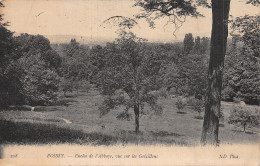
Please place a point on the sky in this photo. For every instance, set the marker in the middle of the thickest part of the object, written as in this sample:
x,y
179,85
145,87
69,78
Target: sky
x,y
84,18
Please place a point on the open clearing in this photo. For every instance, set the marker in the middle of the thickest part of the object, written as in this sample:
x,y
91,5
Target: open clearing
x,y
79,122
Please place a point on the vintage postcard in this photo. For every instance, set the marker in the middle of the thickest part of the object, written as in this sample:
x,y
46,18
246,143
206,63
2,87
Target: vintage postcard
x,y
129,82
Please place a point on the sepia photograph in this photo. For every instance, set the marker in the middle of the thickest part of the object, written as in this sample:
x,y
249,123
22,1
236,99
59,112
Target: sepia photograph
x,y
129,82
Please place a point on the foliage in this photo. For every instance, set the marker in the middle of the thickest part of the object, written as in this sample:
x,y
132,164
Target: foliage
x,y
243,117
193,74
40,64
180,104
188,43
197,46
40,86
123,116
241,77
246,29
197,105
177,11
75,62
66,86
128,74
163,93
10,70
204,45
83,85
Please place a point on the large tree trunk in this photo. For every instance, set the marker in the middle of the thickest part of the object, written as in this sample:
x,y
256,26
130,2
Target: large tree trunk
x,y
220,13
136,110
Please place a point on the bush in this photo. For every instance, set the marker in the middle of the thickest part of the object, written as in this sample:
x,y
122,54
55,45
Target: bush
x,y
84,86
180,104
163,93
124,116
242,117
197,105
66,86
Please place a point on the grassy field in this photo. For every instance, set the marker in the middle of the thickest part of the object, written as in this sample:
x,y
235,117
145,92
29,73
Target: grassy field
x,y
47,125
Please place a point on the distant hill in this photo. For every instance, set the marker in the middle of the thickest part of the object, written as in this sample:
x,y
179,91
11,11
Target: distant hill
x,y
55,39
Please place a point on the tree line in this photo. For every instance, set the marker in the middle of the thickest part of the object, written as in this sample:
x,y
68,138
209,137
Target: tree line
x,y
33,70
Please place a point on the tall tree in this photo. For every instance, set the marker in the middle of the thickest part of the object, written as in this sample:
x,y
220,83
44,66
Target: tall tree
x,y
197,47
188,43
220,14
10,71
204,45
40,64
177,12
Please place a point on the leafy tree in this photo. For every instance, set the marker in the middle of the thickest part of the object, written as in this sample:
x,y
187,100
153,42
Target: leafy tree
x,y
177,12
75,63
204,45
10,71
72,48
97,63
242,117
128,76
40,86
188,43
241,77
171,79
246,30
197,46
40,64
75,67
193,74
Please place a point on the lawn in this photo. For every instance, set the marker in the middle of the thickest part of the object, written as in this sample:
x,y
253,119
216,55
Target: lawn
x,y
48,125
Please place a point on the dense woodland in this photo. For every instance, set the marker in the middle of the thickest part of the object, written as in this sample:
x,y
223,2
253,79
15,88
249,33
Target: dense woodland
x,y
35,70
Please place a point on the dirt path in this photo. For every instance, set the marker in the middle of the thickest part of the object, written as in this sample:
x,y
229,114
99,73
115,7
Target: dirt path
x,y
65,120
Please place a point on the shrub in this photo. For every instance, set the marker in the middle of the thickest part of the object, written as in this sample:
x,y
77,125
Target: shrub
x,y
163,93
124,116
66,86
180,104
197,105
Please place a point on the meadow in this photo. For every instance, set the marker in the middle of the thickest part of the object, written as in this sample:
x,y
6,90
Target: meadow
x,y
75,119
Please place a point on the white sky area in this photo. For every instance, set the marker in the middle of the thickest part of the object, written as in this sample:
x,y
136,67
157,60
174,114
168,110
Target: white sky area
x,y
84,17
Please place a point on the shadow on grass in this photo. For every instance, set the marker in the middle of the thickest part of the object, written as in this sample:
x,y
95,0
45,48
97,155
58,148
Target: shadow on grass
x,y
37,133
63,101
149,138
198,117
247,132
165,134
180,112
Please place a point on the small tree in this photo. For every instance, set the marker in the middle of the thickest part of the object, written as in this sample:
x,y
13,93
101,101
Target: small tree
x,y
180,104
127,69
242,117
